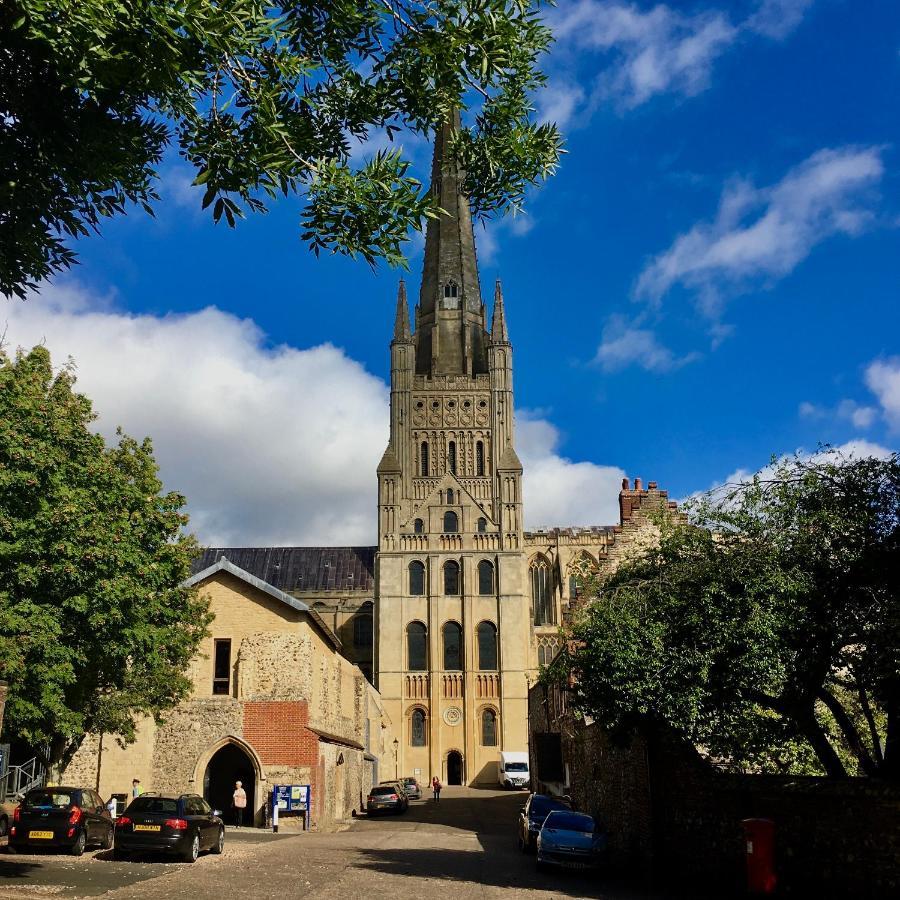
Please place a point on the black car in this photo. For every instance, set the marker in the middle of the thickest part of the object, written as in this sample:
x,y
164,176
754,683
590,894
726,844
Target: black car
x,y
183,825
69,818
531,818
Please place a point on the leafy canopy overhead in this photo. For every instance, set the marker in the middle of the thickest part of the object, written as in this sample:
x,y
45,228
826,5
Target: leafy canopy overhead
x,y
95,626
769,635
263,99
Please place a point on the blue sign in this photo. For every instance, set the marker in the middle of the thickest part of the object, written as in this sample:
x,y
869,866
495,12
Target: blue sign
x,y
291,797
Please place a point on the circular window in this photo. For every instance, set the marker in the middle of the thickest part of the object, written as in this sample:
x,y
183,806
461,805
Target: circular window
x,y
420,405
482,404
435,404
452,404
467,404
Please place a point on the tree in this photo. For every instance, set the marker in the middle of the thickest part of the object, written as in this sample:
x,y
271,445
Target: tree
x,y
263,99
766,629
96,628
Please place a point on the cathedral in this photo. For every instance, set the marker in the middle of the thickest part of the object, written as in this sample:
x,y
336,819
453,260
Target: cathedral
x,y
341,666
451,616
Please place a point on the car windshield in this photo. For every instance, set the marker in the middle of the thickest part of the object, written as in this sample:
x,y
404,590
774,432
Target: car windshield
x,y
382,791
540,806
409,781
48,799
569,821
164,805
517,767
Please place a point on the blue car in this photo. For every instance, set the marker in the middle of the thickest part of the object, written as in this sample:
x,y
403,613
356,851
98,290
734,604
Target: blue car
x,y
569,839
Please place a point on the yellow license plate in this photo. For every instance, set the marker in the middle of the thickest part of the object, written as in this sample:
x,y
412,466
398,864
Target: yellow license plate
x,y
41,834
147,827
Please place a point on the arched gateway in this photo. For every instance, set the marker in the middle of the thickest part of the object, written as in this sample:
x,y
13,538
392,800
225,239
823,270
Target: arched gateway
x,y
229,761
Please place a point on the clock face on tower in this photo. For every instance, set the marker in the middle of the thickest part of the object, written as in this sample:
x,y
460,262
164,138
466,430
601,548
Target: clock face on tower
x,y
453,715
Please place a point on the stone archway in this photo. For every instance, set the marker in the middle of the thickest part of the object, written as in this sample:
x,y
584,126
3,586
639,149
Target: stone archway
x,y
455,774
228,760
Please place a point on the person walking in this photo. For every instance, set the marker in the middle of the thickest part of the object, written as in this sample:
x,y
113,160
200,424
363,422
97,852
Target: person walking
x,y
239,802
436,787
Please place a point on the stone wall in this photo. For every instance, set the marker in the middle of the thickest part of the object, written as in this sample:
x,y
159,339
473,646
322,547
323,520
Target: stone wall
x,y
671,814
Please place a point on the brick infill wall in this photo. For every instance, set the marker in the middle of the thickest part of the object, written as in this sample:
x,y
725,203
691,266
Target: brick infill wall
x,y
277,730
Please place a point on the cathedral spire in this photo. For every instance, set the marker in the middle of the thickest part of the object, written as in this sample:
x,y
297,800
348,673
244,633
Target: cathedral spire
x,y
499,333
449,319
401,322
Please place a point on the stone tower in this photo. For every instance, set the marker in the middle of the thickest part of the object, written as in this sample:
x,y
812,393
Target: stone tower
x,y
452,617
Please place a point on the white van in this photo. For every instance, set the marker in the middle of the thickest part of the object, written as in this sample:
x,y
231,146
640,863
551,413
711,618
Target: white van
x,y
514,770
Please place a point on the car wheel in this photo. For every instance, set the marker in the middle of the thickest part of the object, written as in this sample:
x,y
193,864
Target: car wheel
x,y
77,848
108,840
191,854
4,826
219,845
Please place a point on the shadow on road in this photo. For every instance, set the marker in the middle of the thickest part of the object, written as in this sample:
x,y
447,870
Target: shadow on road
x,y
12,868
481,869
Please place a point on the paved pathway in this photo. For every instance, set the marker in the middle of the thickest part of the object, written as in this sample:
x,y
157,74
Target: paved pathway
x,y
461,848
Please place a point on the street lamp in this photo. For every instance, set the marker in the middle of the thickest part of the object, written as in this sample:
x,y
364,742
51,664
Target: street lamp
x,y
396,759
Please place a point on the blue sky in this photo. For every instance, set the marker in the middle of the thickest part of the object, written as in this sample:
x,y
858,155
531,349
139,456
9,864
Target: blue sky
x,y
711,278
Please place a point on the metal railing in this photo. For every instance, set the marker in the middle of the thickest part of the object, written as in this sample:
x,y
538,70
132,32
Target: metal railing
x,y
18,780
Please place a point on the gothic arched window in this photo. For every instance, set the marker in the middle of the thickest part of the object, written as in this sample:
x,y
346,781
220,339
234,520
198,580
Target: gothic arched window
x,y
482,525
479,458
451,522
424,459
451,458
362,627
451,289
485,577
417,728
487,646
416,578
451,577
452,647
541,591
542,655
450,495
489,728
416,647
419,526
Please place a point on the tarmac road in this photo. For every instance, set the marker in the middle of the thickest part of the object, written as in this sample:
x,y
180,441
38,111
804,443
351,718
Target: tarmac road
x,y
458,849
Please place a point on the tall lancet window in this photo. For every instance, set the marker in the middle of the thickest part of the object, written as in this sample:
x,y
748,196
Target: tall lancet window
x,y
423,458
451,457
541,592
479,458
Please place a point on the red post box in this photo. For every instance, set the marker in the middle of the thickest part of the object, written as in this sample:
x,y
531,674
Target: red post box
x,y
759,836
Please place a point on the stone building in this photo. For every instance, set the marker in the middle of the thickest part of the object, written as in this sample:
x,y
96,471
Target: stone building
x,y
274,701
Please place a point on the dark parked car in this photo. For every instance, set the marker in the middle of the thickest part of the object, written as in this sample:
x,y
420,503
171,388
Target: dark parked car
x,y
386,798
532,816
69,818
570,839
411,788
182,825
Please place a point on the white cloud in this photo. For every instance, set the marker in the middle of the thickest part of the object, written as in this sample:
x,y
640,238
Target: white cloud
x,y
559,100
651,51
623,345
883,379
271,445
857,448
764,233
846,410
556,490
777,18
491,232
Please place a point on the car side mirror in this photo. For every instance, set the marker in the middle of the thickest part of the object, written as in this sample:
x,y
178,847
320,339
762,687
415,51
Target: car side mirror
x,y
217,812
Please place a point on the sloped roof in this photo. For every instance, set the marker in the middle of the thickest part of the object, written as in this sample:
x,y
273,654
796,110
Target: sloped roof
x,y
307,569
223,564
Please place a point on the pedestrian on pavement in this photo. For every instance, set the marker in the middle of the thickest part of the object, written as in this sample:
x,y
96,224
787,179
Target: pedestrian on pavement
x,y
239,802
112,806
436,787
136,789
